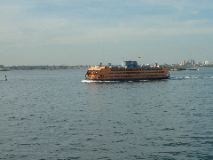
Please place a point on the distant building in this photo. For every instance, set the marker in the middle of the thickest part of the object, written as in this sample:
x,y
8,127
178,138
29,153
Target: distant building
x,y
188,63
206,62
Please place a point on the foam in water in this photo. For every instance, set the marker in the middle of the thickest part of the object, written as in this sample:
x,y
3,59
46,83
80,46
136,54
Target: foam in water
x,y
176,78
144,80
186,77
190,77
94,81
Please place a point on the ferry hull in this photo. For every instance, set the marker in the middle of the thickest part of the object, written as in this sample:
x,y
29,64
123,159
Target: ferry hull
x,y
128,79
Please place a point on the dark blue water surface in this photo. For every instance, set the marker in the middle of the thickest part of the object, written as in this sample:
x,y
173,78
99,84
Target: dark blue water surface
x,y
48,115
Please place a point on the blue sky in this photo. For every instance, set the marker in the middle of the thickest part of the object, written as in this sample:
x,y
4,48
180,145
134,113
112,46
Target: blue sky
x,y
72,32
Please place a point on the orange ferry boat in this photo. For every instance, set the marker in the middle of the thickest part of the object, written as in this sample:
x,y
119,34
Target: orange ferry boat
x,y
129,71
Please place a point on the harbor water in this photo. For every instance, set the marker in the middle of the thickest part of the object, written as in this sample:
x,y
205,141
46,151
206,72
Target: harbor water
x,y
56,115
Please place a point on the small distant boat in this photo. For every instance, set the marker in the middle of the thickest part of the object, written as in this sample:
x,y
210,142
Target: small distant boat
x,y
129,71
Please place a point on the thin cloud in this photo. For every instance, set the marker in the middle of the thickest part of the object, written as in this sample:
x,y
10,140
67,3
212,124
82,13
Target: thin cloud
x,y
56,23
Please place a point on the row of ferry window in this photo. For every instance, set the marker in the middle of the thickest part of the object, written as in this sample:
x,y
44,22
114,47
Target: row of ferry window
x,y
92,72
119,76
95,72
135,72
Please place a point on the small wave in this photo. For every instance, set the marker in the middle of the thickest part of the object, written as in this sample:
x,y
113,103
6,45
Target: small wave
x,y
207,77
176,78
94,81
183,78
187,77
190,77
194,77
144,80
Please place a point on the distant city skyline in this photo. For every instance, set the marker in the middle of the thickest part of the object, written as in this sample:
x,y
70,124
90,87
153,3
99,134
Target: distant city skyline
x,y
75,32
